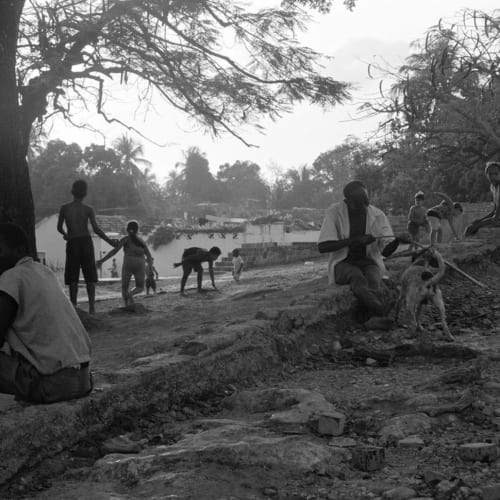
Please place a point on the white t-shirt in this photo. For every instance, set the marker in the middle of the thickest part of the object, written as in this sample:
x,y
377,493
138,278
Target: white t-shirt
x,y
336,227
46,330
237,263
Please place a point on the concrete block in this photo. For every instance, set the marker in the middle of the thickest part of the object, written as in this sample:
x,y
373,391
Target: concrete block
x,y
411,442
331,423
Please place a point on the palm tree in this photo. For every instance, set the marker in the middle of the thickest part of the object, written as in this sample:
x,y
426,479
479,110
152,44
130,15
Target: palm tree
x,y
131,154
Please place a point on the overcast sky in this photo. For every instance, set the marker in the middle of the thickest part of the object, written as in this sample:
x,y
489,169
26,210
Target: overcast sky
x,y
376,30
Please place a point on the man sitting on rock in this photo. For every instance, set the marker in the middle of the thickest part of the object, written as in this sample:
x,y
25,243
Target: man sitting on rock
x,y
49,349
358,235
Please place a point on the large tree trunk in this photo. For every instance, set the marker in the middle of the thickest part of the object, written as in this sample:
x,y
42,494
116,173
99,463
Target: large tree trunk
x,y
16,201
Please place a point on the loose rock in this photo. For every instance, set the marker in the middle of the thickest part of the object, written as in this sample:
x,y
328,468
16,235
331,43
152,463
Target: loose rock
x,y
400,493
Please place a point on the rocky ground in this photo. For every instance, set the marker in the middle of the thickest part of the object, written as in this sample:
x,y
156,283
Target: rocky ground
x,y
272,389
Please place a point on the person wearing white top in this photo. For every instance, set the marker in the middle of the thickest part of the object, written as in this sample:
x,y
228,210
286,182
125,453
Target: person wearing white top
x,y
358,235
492,171
49,348
237,265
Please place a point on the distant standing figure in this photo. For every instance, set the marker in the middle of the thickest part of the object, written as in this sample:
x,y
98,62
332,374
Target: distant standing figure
x,y
79,247
438,213
192,259
114,269
237,265
417,219
134,250
492,219
151,276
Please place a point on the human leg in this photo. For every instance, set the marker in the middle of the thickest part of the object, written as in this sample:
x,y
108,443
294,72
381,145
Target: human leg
x,y
89,269
91,295
126,276
435,225
72,269
413,230
139,272
186,271
73,293
8,368
199,277
349,274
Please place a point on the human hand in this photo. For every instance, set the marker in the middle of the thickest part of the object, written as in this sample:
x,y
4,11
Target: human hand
x,y
364,239
98,263
114,242
471,229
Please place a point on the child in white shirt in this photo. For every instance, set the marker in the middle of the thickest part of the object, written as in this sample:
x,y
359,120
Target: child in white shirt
x,y
237,265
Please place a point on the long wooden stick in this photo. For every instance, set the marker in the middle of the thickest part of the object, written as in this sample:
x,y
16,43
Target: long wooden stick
x,y
457,269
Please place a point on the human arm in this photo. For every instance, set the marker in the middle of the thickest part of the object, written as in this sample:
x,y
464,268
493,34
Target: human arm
x,y
157,276
240,266
149,257
112,252
392,246
411,214
334,245
8,311
60,223
97,230
211,272
445,198
451,221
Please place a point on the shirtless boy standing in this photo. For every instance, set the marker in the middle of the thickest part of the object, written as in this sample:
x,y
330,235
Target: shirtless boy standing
x,y
79,247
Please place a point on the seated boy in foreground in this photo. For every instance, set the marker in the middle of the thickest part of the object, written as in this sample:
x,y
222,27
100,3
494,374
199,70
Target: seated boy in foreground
x,y
49,349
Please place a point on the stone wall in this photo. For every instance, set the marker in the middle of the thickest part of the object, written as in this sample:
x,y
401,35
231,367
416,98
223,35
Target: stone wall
x,y
266,254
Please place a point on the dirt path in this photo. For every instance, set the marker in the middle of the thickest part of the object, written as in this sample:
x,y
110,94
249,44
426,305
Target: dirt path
x,y
419,403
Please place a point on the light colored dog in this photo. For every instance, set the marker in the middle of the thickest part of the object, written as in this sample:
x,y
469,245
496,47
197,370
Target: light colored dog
x,y
419,286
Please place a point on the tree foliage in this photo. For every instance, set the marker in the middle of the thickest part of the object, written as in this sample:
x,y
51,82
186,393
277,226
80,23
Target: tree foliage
x,y
242,181
179,48
443,106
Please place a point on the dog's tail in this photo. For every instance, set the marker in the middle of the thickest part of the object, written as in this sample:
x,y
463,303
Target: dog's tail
x,y
177,264
441,268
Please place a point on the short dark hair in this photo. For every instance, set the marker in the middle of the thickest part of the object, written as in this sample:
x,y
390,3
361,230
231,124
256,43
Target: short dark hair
x,y
14,236
420,195
353,186
79,189
215,250
236,252
133,225
490,165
